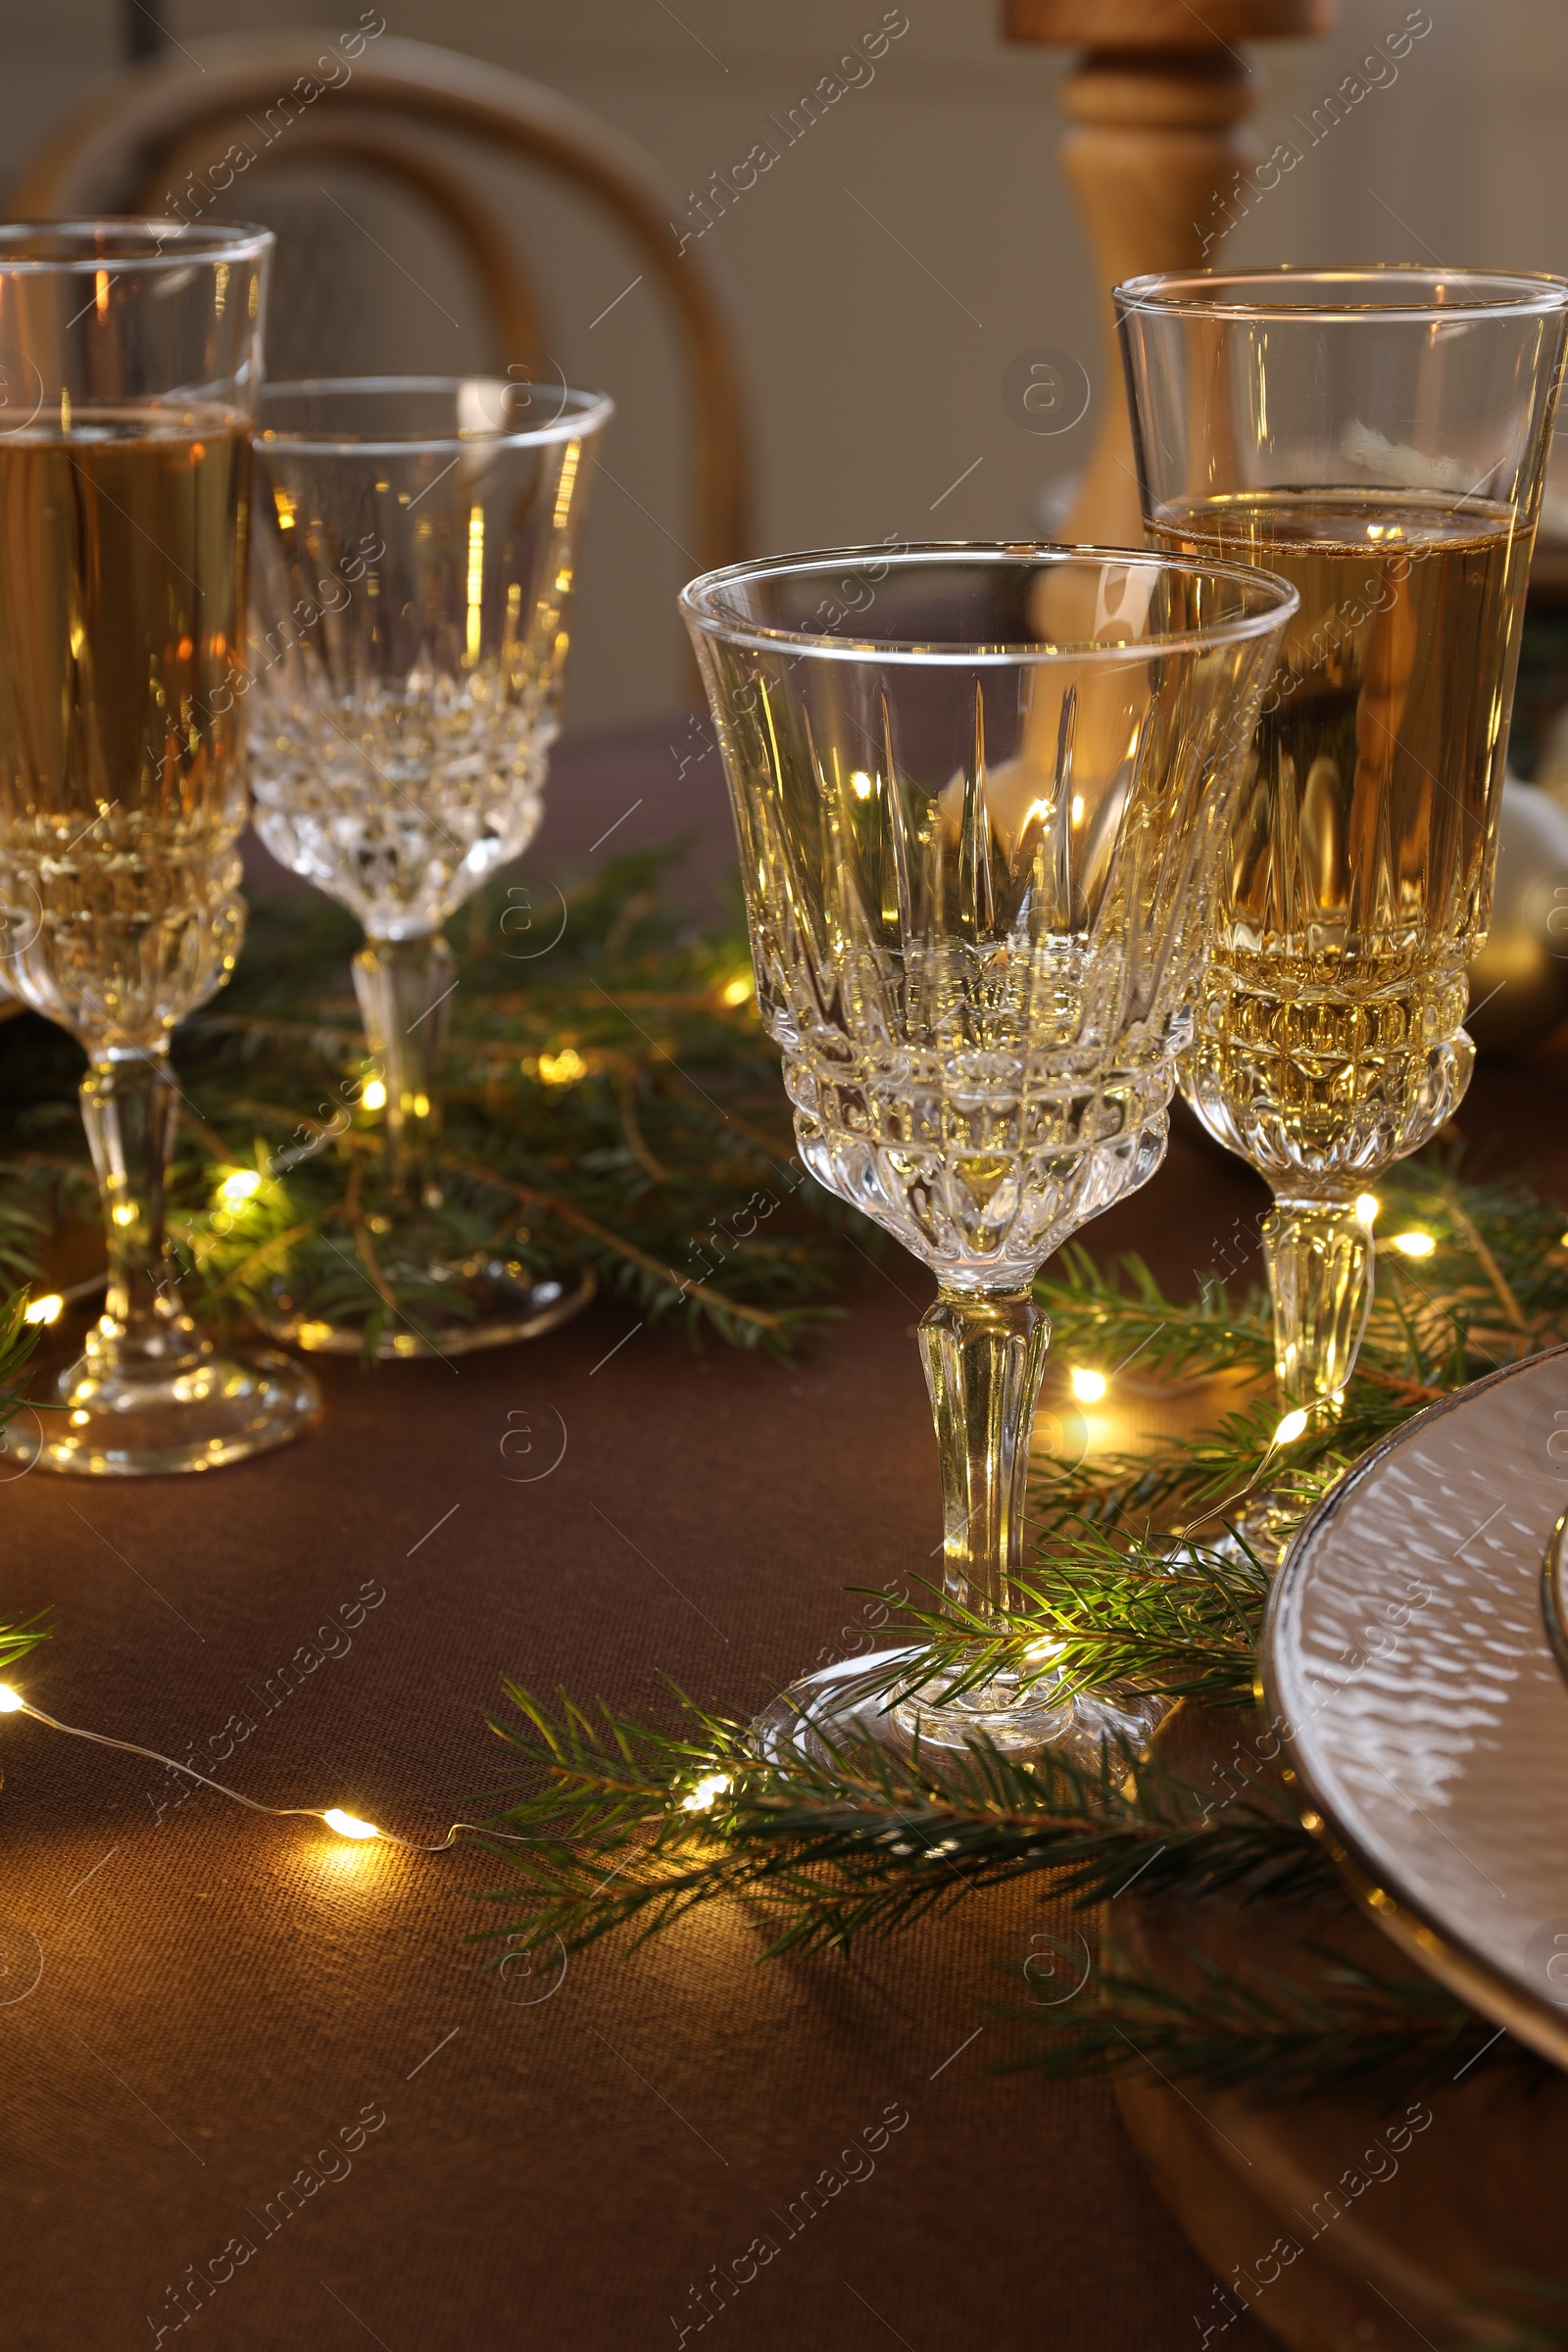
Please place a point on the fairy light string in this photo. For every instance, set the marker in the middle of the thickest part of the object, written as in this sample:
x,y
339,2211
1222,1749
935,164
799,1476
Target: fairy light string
x,y
333,1817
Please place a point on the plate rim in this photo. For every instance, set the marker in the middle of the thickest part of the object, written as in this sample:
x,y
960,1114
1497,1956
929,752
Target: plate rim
x,y
1443,1952
1553,1585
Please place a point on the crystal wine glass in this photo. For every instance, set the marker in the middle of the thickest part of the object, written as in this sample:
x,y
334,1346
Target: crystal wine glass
x,y
414,550
1378,436
130,353
981,795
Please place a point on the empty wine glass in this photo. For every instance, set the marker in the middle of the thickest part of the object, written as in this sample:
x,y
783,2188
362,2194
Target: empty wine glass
x,y
981,795
414,553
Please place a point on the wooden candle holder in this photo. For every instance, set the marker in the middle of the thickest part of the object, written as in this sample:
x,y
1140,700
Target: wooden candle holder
x,y
1160,103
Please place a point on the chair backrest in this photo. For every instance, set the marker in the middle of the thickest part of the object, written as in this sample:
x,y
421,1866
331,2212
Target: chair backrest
x,y
196,112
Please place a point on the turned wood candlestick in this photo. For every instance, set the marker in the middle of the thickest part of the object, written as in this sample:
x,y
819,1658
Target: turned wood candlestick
x,y
1160,103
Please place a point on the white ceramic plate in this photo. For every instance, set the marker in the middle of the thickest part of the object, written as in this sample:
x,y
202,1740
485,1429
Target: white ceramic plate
x,y
1408,1669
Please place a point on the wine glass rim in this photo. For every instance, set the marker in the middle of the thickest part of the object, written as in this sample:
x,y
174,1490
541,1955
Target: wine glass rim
x,y
588,411
1388,290
1272,600
117,238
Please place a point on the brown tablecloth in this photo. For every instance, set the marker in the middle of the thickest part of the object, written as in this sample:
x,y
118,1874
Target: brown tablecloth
x,y
235,2050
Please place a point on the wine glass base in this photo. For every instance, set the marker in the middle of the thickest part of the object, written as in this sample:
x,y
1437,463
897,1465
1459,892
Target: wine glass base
x,y
1261,1531
490,1307
218,1409
846,1706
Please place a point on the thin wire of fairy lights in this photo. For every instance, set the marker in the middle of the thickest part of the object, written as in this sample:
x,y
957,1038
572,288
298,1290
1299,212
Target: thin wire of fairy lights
x,y
343,1824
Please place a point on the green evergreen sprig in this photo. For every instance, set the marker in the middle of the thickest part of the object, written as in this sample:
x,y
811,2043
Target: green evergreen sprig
x,y
21,1635
1494,1288
612,1103
633,1824
1097,1608
1334,2026
17,1339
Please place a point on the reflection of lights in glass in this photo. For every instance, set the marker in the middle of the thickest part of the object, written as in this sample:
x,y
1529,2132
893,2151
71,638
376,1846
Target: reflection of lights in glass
x,y
1367,1205
124,1212
346,1825
373,1097
1088,1387
1414,1245
862,784
470,650
1290,1428
737,991
46,1310
563,1068
1039,1653
1077,807
422,1106
569,475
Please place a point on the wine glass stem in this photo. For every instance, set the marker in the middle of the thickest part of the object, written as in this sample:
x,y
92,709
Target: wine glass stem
x,y
405,990
1320,1266
128,1106
984,1356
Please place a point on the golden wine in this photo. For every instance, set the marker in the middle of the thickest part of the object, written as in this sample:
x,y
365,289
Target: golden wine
x,y
1330,1037
123,545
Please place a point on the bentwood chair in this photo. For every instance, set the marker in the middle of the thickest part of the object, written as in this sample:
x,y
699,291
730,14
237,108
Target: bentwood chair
x,y
197,129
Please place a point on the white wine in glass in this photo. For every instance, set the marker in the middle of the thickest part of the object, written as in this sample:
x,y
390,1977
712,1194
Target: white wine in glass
x,y
1378,437
982,797
132,357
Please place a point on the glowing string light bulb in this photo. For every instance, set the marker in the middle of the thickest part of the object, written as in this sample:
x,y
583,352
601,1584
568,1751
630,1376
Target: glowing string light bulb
x,y
706,1792
1290,1428
349,1824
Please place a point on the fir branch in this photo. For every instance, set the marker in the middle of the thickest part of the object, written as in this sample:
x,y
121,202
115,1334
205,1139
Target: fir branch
x,y
657,1157
1495,1288
22,1636
1096,1314
1197,1485
1344,2026
629,1825
1181,1619
17,1339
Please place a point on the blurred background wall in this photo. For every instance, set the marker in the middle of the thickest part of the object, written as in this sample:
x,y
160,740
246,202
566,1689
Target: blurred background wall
x,y
882,274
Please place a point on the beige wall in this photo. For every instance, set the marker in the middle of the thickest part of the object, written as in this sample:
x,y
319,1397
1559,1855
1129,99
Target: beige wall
x,y
875,346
